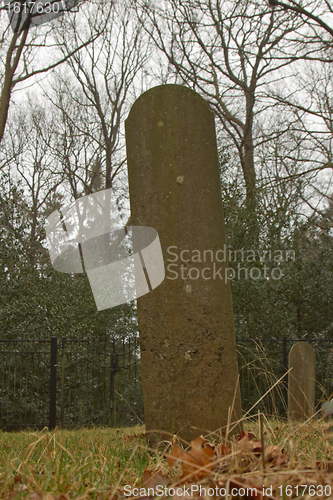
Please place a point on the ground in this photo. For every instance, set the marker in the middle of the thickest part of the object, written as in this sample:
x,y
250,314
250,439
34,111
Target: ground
x,y
295,461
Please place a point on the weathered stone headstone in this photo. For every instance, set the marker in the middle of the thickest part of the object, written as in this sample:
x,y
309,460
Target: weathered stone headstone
x,y
187,339
301,381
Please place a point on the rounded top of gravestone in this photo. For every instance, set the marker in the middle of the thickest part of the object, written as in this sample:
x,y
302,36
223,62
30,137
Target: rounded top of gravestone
x,y
170,91
302,345
302,348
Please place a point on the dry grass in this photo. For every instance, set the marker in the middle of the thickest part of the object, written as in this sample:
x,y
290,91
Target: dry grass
x,y
77,463
98,463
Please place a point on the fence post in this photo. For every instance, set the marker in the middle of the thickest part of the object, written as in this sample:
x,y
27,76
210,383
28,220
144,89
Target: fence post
x,y
285,379
53,383
113,381
62,394
112,363
116,416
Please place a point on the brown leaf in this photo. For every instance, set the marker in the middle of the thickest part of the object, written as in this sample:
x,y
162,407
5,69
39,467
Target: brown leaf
x,y
153,479
246,442
274,456
22,487
242,434
196,462
223,450
62,497
325,465
34,496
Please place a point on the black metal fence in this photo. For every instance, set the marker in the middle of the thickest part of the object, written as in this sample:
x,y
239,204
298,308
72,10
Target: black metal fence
x,y
79,383
24,372
70,383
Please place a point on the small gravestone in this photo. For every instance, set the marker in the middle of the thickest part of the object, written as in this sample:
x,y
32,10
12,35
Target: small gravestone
x,y
301,381
187,339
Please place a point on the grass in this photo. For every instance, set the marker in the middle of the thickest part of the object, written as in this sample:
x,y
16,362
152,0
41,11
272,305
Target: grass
x,y
76,463
95,463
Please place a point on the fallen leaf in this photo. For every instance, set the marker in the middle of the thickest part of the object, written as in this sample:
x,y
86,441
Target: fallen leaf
x,y
246,442
153,479
275,457
62,497
197,462
242,434
34,496
22,487
327,466
222,450
272,453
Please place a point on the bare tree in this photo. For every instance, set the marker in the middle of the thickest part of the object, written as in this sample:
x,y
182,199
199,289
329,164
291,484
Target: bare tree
x,y
93,98
30,52
310,102
304,155
33,169
308,14
228,52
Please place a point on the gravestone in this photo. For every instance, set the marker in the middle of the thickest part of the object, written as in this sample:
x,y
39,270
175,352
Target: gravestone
x,y
187,339
301,381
